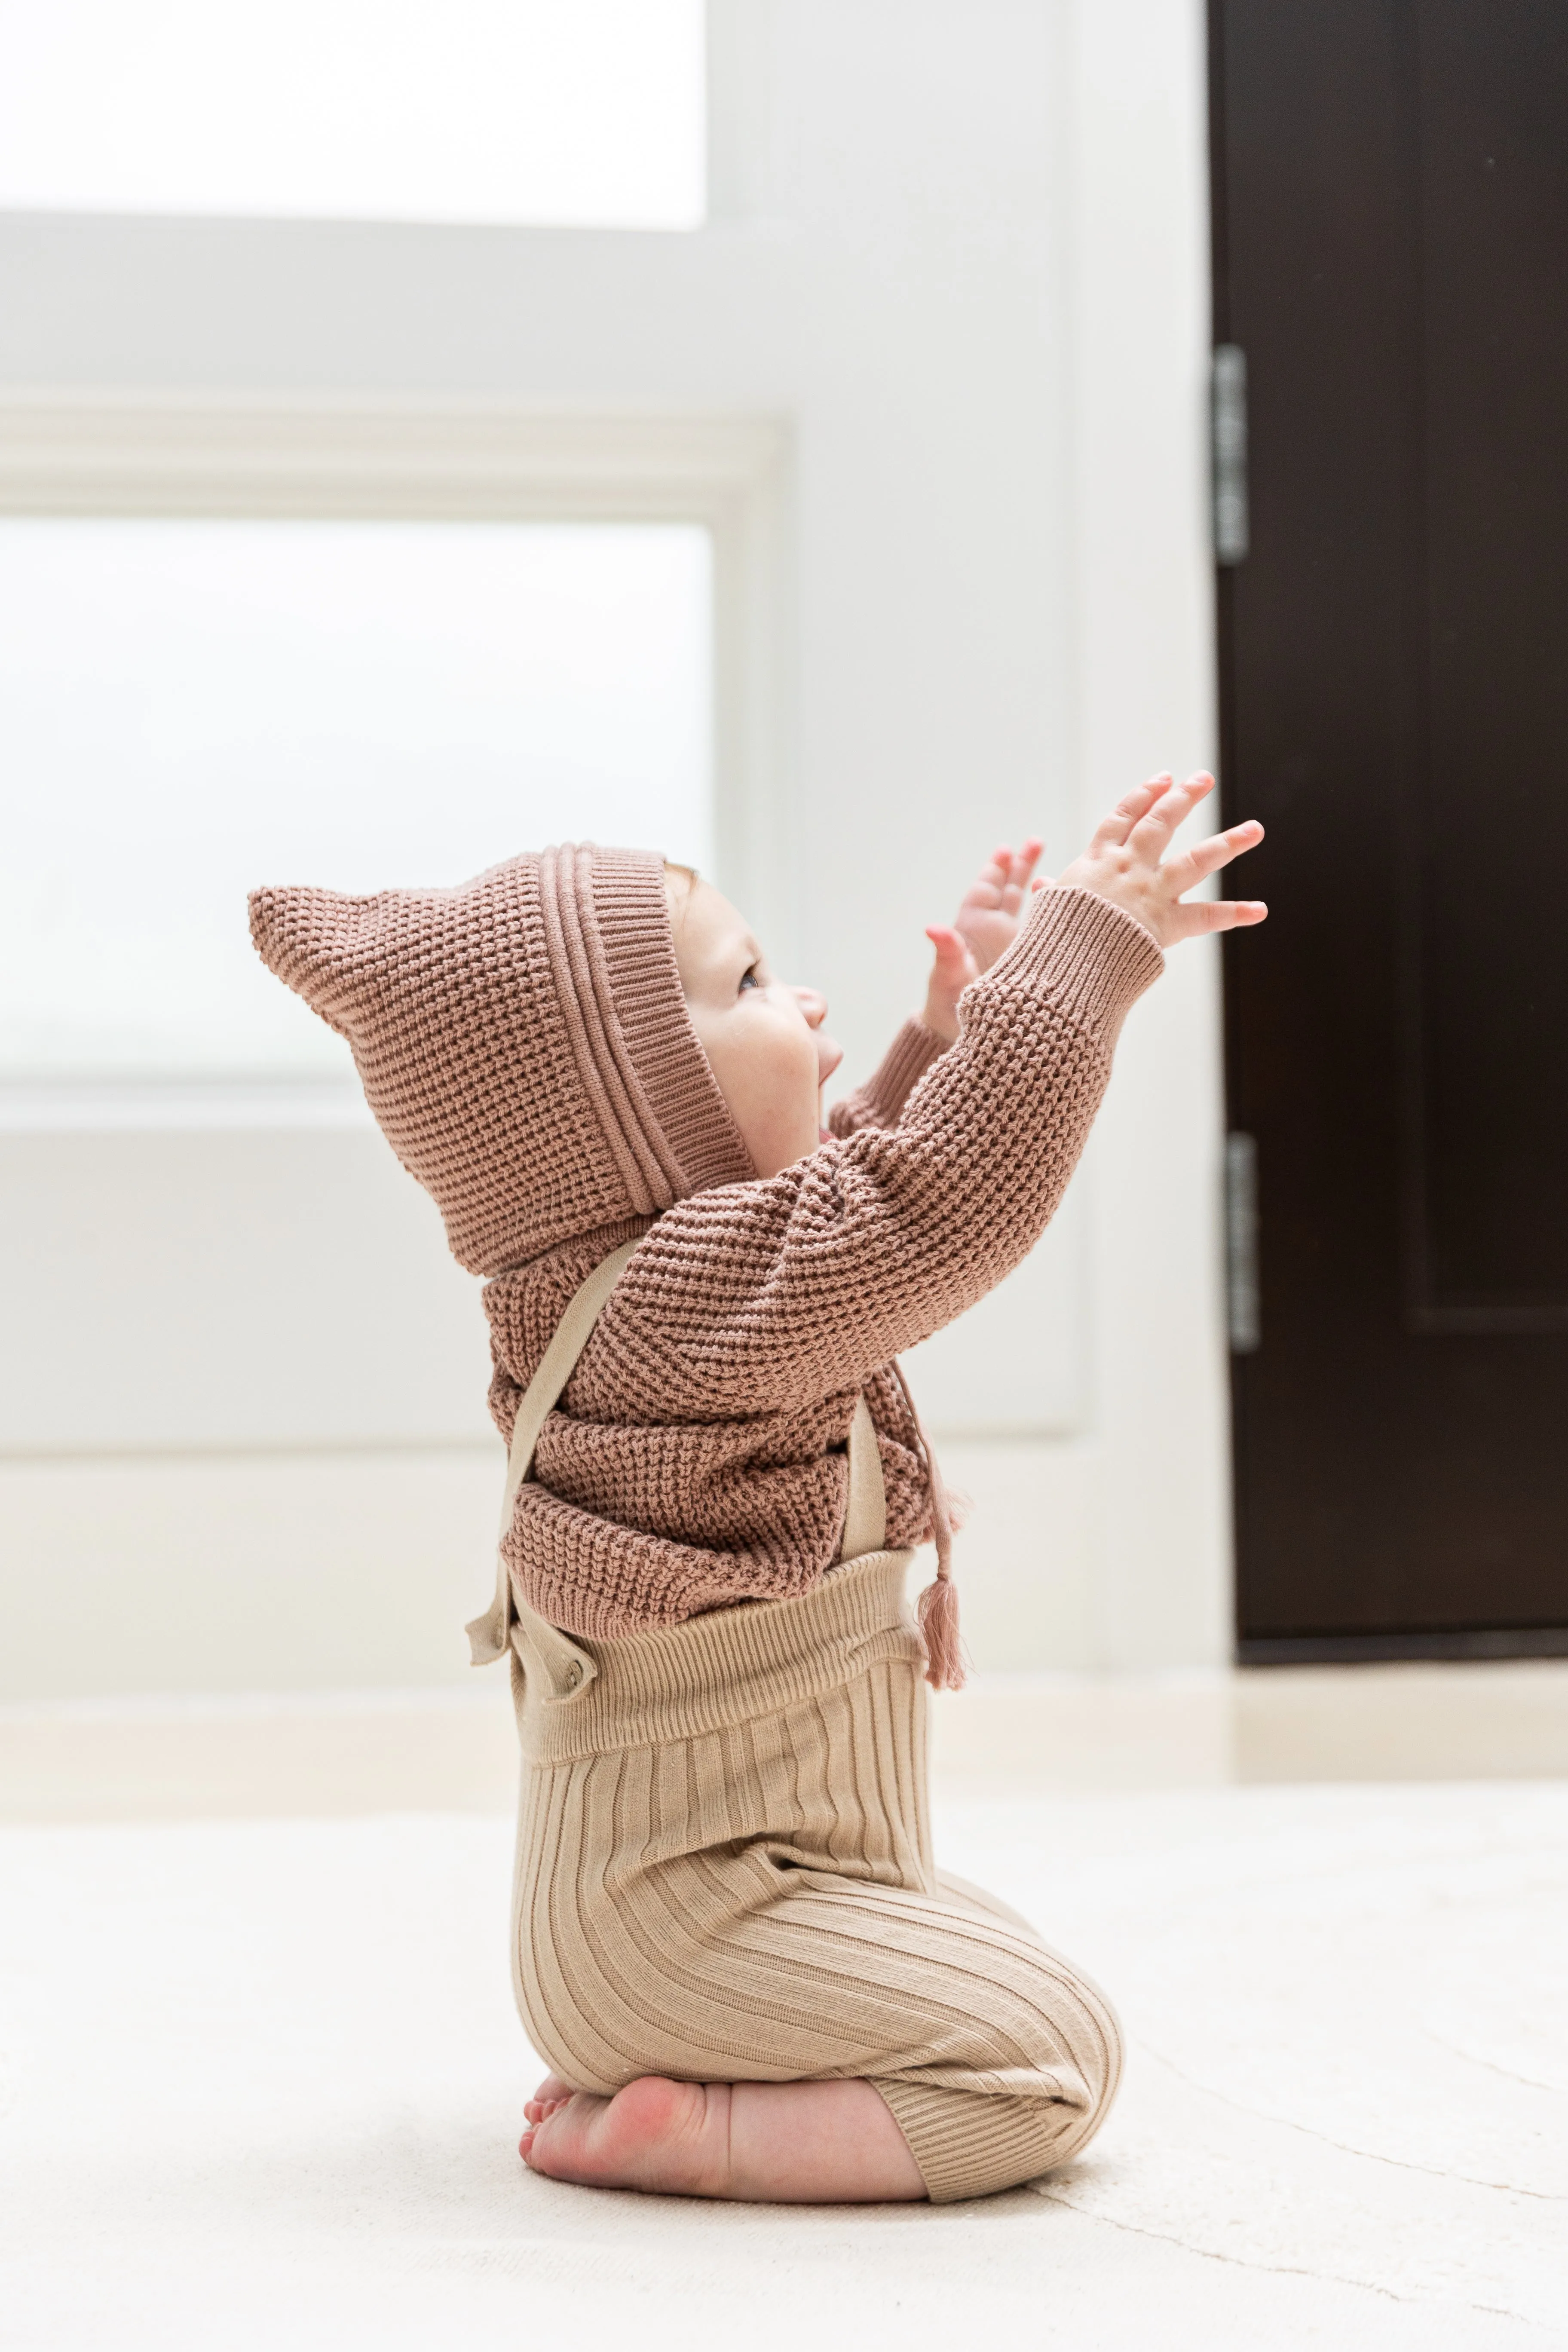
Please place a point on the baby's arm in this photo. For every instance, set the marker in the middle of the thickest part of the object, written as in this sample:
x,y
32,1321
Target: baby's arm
x,y
881,1102
816,1277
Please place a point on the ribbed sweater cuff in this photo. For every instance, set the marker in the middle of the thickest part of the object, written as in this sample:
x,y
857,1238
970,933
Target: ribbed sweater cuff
x,y
906,1061
1083,954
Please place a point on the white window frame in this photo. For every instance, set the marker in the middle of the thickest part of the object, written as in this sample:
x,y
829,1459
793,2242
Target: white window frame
x,y
392,460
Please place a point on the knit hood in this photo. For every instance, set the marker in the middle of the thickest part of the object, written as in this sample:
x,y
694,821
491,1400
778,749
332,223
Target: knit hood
x,y
522,1041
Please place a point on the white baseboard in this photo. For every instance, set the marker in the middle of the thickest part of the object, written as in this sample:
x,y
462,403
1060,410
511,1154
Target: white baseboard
x,y
454,1750
1477,1720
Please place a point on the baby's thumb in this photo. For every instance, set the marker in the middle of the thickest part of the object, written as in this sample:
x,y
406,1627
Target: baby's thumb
x,y
952,957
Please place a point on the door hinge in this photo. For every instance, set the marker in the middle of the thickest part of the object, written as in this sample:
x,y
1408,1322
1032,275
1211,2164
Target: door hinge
x,y
1241,1242
1227,462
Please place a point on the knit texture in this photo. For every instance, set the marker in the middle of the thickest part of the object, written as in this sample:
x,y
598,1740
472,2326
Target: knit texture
x,y
697,1459
522,1041
725,1875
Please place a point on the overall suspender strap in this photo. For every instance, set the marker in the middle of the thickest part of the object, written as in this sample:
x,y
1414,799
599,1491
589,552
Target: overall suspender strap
x,y
489,1636
865,1520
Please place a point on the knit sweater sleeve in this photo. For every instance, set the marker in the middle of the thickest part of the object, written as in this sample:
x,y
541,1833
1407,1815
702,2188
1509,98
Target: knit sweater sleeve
x,y
881,1102
760,1295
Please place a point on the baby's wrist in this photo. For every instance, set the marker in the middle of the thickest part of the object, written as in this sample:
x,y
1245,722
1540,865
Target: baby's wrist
x,y
941,1017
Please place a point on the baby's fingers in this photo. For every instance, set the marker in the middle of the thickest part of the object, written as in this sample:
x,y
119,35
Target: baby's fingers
x,y
989,886
1207,856
1194,918
1023,865
1150,834
1113,830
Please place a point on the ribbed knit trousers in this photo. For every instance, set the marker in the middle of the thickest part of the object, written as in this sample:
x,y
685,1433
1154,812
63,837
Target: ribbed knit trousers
x,y
724,1874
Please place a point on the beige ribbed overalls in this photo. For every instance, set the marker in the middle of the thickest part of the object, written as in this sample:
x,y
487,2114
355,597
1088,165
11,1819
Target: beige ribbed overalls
x,y
723,1863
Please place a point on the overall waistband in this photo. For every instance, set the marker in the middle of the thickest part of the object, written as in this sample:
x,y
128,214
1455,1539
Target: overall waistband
x,y
637,1690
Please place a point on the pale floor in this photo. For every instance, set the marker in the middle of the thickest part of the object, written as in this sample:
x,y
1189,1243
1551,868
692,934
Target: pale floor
x,y
260,2078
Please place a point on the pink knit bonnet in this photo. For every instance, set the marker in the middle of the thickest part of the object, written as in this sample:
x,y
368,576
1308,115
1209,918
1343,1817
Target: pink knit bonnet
x,y
522,1040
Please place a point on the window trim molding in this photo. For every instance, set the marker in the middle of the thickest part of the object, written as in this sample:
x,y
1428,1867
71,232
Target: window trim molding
x,y
362,459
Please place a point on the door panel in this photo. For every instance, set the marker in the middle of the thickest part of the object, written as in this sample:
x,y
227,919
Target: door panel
x,y
1491,1146
1391,189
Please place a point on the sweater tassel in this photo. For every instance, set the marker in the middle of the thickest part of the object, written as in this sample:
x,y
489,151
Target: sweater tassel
x,y
938,1609
939,1631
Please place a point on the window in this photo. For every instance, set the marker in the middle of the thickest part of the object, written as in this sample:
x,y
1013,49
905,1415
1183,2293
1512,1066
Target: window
x,y
189,709
537,110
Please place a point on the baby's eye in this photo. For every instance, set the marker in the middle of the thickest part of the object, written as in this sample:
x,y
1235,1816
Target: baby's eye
x,y
748,977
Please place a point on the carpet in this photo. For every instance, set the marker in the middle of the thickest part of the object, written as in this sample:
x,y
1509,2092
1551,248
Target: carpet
x,y
261,2082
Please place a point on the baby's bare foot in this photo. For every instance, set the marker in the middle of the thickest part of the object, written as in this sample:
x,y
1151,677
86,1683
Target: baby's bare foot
x,y
783,2143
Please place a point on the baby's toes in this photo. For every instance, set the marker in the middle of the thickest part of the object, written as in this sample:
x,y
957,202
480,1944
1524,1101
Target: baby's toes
x,y
538,2112
552,2093
546,2098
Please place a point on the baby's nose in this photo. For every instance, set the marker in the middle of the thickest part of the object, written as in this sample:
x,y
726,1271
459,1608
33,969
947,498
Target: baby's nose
x,y
814,1006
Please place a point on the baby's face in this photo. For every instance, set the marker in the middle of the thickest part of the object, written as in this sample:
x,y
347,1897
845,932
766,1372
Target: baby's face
x,y
765,1042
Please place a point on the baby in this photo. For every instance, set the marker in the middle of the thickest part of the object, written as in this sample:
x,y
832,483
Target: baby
x,y
730,1939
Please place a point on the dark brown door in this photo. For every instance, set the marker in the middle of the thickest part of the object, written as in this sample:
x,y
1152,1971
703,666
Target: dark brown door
x,y
1390,207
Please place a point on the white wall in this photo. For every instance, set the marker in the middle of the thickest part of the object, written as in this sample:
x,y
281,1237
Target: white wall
x,y
957,267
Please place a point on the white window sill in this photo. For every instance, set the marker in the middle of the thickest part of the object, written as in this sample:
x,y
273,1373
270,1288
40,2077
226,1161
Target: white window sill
x,y
131,1106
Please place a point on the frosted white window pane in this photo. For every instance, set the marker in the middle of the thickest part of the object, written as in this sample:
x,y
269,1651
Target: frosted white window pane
x,y
588,111
190,709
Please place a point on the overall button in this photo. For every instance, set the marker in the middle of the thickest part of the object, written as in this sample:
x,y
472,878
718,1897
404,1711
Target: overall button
x,y
572,1676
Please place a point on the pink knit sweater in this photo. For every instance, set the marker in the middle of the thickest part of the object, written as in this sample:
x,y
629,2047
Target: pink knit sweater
x,y
698,1457
525,1047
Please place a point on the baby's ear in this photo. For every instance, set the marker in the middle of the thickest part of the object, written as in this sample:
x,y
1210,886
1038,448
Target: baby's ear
x,y
321,943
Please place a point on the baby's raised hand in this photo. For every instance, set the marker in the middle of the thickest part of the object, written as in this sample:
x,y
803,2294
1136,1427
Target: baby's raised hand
x,y
986,923
1126,863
